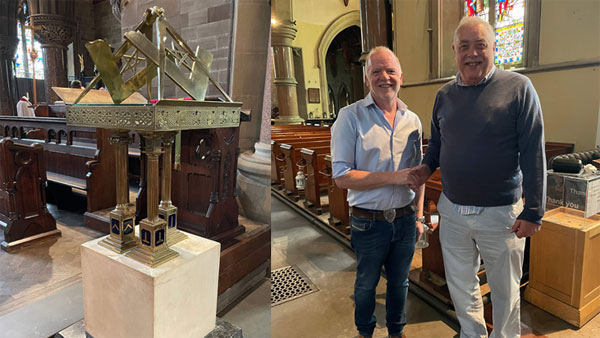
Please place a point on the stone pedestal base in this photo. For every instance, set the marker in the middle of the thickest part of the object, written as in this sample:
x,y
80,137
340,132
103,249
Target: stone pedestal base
x,y
253,183
222,329
125,298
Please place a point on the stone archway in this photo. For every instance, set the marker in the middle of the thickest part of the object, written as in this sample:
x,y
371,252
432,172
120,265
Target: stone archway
x,y
338,25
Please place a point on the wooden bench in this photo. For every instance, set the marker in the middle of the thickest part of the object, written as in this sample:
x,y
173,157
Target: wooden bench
x,y
76,157
291,156
277,161
289,133
313,160
24,217
339,211
275,129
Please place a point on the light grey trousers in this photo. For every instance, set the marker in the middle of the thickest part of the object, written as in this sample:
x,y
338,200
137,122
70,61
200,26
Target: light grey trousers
x,y
467,238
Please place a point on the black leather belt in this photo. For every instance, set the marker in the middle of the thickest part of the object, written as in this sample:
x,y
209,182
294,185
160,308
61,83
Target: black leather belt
x,y
388,215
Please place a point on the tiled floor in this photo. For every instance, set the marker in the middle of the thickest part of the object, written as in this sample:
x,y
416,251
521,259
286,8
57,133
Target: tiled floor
x,y
34,272
331,267
329,312
40,290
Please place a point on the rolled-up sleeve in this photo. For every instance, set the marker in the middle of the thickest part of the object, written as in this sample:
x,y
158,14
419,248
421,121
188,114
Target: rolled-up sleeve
x,y
343,143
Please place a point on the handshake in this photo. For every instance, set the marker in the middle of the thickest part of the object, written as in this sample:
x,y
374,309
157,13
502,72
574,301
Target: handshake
x,y
414,177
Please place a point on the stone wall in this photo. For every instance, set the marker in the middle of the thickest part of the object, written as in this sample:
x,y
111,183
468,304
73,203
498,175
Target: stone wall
x,y
94,20
106,24
207,23
84,32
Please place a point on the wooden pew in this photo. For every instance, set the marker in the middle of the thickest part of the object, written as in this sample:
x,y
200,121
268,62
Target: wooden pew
x,y
24,217
288,133
313,160
277,160
291,156
76,157
275,129
339,211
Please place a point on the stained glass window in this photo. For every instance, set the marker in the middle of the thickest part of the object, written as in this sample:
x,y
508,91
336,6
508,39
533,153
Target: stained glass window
x,y
23,68
509,25
480,8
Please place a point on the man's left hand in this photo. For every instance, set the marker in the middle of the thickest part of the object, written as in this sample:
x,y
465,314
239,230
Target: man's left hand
x,y
523,228
419,230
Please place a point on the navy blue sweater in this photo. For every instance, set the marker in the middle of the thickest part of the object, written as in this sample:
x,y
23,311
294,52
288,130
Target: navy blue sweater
x,y
488,141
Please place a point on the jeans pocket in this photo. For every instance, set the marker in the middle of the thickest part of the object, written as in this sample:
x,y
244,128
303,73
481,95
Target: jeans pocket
x,y
360,224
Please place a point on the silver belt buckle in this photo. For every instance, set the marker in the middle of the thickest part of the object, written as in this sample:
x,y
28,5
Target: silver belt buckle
x,y
389,215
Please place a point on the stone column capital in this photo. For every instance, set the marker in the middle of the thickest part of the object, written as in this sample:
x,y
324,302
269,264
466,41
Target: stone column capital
x,y
56,30
283,34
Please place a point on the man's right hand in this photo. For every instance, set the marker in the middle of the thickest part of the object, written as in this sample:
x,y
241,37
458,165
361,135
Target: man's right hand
x,y
404,177
419,174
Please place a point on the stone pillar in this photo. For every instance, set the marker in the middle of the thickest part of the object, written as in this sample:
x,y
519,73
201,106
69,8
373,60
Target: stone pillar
x,y
254,168
56,19
282,35
252,44
375,24
8,43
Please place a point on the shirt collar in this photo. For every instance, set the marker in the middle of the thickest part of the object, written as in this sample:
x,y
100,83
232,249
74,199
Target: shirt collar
x,y
484,80
400,106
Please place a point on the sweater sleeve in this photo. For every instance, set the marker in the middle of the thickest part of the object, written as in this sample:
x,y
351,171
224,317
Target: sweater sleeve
x,y
532,156
432,154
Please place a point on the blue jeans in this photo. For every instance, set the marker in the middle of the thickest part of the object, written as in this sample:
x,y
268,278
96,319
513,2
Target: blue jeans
x,y
379,243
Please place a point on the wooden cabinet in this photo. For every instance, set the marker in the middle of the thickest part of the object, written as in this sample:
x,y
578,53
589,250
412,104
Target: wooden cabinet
x,y
564,271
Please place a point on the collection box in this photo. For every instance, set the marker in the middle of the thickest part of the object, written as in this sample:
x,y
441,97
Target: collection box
x,y
564,278
579,192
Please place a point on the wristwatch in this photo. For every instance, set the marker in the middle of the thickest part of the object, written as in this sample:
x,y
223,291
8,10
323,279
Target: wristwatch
x,y
421,219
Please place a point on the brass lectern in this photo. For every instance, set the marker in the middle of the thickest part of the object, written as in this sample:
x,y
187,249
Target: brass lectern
x,y
157,123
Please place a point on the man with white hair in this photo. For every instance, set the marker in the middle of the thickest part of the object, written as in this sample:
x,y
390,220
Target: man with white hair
x,y
487,138
374,143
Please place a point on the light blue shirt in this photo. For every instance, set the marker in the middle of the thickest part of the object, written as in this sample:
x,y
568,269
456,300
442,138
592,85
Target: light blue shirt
x,y
362,139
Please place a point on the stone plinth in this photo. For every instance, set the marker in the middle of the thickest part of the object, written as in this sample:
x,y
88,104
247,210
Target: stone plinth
x,y
254,183
222,329
125,298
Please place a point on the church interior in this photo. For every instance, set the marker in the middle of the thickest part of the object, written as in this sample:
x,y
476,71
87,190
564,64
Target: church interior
x,y
165,166
319,59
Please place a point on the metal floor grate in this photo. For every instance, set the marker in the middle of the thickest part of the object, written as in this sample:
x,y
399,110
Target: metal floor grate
x,y
289,283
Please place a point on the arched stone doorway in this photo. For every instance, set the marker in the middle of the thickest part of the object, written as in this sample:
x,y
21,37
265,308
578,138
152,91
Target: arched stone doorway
x,y
344,70
345,21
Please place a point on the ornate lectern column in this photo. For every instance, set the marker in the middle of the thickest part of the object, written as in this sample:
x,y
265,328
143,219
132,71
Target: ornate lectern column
x,y
8,43
282,35
153,250
122,218
56,20
166,210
